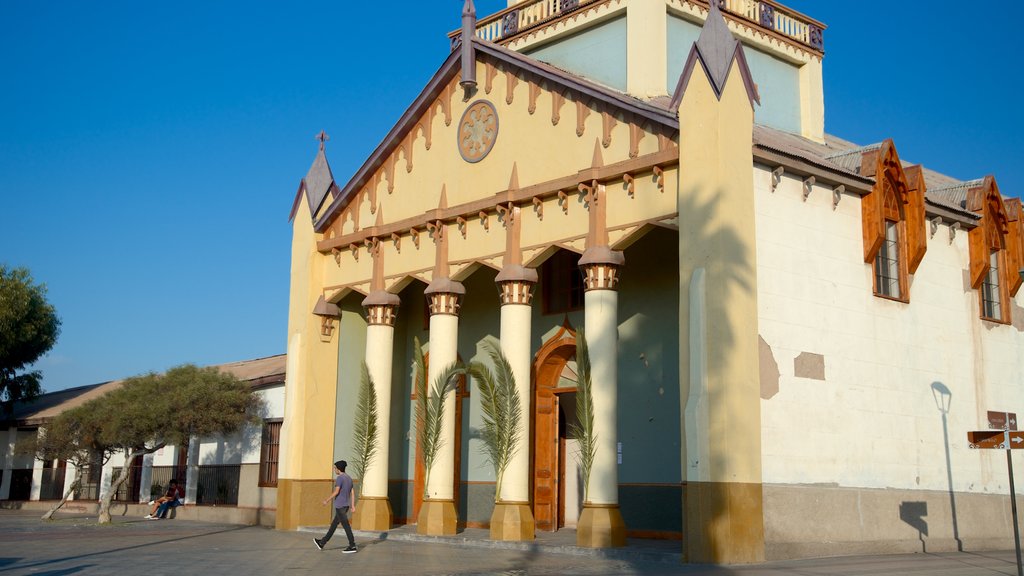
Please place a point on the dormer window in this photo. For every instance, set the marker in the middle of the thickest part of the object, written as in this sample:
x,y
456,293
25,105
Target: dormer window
x,y
888,278
893,221
991,291
991,250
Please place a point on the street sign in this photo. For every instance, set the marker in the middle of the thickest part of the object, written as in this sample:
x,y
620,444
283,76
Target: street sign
x,y
1002,420
990,439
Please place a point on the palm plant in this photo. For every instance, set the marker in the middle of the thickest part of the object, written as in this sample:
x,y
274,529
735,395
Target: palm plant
x,y
365,432
499,400
430,407
583,428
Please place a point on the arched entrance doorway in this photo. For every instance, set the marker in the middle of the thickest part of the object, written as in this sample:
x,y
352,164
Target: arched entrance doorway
x,y
556,494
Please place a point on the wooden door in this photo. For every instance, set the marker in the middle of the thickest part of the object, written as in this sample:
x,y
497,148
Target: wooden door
x,y
545,474
548,365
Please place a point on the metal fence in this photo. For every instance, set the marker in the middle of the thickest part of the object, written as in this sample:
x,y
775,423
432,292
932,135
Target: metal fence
x,y
218,485
162,476
52,484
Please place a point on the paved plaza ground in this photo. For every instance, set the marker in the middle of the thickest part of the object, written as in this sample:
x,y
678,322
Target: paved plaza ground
x,y
74,544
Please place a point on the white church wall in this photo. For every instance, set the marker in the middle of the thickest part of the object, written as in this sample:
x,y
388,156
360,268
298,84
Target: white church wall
x,y
874,420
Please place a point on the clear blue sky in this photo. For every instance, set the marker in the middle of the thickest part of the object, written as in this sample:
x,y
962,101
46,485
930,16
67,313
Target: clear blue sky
x,y
150,152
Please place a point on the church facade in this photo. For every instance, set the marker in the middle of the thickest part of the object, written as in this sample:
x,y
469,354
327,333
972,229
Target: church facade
x,y
789,333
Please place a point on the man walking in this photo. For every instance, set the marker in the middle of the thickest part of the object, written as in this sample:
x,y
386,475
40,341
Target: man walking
x,y
344,499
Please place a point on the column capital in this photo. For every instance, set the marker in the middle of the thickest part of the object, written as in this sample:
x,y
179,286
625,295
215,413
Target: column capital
x,y
444,296
381,307
601,266
515,284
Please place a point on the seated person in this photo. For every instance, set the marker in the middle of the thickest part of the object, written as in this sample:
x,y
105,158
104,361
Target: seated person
x,y
172,498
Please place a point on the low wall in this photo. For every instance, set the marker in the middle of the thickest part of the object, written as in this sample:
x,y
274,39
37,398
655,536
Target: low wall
x,y
216,514
813,521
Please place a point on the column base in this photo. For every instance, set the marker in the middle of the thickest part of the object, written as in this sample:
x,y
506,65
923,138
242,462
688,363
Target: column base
x,y
372,513
437,518
601,526
512,521
300,503
723,523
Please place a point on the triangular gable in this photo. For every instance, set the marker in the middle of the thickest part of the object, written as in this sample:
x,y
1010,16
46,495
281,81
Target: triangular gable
x,y
716,49
442,81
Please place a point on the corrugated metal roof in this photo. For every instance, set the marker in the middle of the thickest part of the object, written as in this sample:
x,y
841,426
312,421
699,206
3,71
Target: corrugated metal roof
x,y
798,146
851,159
955,194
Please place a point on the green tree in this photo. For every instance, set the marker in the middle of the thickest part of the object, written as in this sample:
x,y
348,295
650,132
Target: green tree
x,y
73,436
28,329
151,411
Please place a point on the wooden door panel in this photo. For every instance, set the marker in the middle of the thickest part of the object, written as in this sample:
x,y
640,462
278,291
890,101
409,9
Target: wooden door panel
x,y
545,474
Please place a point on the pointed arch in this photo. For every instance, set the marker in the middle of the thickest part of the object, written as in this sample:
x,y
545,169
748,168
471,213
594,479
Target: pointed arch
x,y
549,362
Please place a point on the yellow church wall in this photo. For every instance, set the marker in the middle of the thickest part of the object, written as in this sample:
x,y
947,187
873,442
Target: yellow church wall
x,y
723,504
310,390
540,152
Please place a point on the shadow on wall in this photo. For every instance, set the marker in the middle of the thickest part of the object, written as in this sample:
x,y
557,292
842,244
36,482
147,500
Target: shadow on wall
x,y
914,513
719,519
943,400
235,448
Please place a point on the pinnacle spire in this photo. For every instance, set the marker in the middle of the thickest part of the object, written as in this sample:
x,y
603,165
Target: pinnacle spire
x,y
716,46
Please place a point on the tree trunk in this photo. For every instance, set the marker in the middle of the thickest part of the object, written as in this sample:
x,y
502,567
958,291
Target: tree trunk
x,y
74,486
126,471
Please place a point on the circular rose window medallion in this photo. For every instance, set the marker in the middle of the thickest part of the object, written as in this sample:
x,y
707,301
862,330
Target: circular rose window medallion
x,y
478,129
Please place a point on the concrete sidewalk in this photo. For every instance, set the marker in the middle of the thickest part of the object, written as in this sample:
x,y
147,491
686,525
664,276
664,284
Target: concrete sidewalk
x,y
74,544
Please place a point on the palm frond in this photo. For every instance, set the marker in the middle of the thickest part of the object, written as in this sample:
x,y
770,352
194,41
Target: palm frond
x,y
430,406
502,412
365,433
583,428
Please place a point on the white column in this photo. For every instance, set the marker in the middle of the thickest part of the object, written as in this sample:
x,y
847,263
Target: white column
x,y
8,463
37,479
146,478
191,471
444,337
516,326
380,340
69,477
601,329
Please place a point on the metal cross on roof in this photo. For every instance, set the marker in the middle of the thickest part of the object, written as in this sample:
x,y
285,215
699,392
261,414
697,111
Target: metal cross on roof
x,y
322,137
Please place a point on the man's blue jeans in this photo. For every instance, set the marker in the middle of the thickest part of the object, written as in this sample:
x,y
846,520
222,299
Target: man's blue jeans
x,y
340,516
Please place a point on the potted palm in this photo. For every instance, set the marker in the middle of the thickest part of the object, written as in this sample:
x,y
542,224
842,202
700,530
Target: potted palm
x,y
430,407
501,433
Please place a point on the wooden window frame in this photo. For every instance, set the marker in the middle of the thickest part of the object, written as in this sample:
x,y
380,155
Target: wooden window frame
x,y
1003,293
266,464
901,265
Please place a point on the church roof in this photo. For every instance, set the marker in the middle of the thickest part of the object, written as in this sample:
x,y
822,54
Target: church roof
x,y
836,155
565,80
